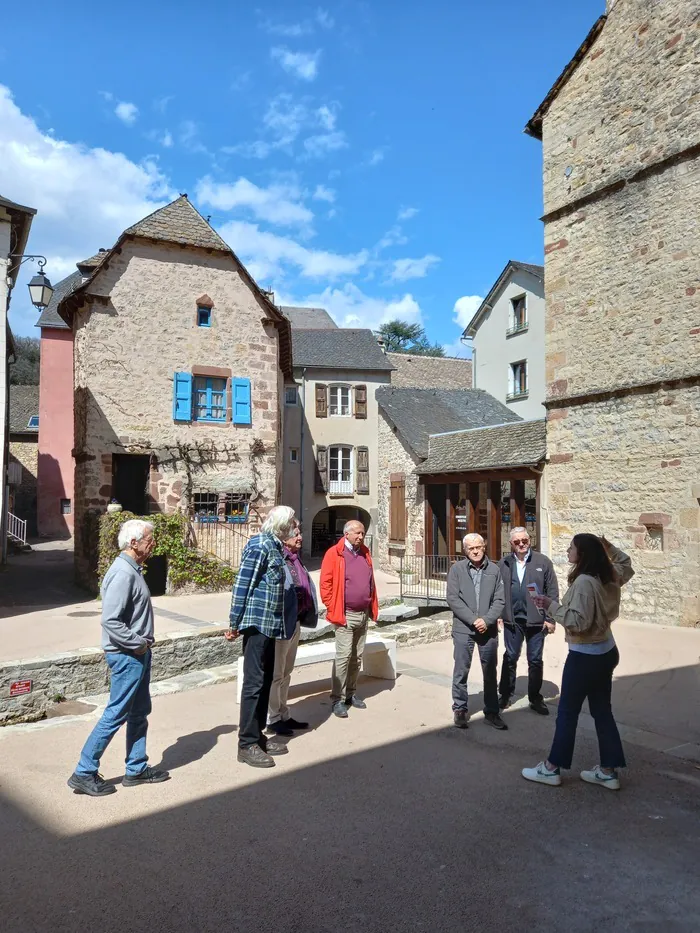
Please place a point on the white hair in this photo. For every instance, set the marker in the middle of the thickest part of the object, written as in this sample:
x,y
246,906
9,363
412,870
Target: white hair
x,y
280,522
519,531
472,539
133,530
353,521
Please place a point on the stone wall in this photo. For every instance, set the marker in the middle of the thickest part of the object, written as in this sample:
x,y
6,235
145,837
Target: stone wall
x,y
129,345
24,450
394,457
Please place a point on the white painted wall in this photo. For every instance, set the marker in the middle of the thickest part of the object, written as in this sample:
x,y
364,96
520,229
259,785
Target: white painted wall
x,y
495,350
5,228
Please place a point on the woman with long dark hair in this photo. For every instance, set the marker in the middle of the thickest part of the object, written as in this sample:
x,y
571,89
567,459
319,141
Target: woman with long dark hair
x,y
590,606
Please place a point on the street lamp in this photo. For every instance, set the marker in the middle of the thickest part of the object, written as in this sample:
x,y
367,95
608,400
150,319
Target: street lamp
x,y
40,288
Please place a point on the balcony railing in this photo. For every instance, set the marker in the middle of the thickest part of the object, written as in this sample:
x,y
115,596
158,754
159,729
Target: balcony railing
x,y
517,329
342,484
513,396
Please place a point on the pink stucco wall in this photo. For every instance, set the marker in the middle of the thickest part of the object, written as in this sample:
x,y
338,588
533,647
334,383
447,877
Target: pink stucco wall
x,y
55,467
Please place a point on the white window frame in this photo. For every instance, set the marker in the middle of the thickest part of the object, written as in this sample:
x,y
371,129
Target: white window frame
x,y
514,392
338,388
345,485
513,327
294,455
295,400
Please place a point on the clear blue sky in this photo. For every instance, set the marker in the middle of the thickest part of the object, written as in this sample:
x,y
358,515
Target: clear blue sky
x,y
369,157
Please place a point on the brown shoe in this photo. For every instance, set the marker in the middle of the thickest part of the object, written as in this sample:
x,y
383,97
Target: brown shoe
x,y
254,756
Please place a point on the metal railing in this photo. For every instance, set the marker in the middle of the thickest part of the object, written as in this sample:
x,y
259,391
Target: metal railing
x,y
16,529
425,578
516,329
222,540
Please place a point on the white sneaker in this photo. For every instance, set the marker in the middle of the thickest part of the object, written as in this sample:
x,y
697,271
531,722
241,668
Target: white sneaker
x,y
596,776
542,775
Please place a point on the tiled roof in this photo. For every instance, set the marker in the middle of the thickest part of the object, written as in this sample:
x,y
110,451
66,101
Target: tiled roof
x,y
179,222
511,266
511,445
430,372
94,261
49,316
418,413
338,348
24,404
309,318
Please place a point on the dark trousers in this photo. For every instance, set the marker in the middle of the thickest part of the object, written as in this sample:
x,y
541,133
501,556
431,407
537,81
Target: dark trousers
x,y
488,655
258,672
513,635
587,675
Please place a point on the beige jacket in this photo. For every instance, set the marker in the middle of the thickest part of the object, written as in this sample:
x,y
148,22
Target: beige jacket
x,y
589,608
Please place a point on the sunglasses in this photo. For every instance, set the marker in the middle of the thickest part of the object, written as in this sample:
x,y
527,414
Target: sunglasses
x,y
521,541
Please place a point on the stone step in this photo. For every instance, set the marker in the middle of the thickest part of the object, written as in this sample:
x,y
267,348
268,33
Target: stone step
x,y
398,613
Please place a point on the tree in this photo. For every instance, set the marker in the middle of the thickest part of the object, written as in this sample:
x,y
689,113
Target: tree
x,y
25,370
400,337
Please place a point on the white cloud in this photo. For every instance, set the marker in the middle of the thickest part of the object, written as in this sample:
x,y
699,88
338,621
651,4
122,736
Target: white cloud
x,y
393,237
278,204
404,269
465,308
85,197
324,194
303,65
350,307
457,348
167,139
285,118
376,156
324,19
189,137
107,95
126,112
406,213
327,117
319,146
161,103
270,257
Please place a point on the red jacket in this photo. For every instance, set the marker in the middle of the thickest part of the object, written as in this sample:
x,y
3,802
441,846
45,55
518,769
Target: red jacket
x,y
333,583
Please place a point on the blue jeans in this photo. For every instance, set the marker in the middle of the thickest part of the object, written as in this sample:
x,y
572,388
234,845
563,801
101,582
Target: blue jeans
x,y
513,635
587,675
130,703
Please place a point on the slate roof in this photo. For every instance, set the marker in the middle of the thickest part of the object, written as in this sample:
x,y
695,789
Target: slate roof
x,y
13,206
49,317
430,372
339,348
24,402
309,318
487,303
93,262
179,222
490,448
418,413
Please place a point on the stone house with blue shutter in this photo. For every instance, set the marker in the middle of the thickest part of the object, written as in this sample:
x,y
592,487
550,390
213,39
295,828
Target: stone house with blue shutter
x,y
179,369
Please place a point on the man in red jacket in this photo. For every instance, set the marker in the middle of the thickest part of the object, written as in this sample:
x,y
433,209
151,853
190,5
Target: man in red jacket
x,y
349,594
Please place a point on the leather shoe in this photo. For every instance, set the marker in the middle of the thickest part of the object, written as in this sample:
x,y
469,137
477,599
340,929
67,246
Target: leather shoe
x,y
461,717
340,710
147,776
280,728
539,706
254,756
356,702
493,719
504,702
275,748
294,724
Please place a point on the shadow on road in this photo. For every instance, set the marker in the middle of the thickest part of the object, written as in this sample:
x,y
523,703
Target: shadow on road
x,y
39,579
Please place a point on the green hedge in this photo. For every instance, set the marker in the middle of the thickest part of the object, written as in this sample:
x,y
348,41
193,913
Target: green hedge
x,y
185,564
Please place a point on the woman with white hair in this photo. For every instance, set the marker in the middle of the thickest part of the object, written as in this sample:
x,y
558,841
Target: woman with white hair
x,y
257,611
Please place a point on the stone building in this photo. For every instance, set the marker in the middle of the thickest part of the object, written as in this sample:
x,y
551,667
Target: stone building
x,y
430,372
24,434
621,136
179,362
507,338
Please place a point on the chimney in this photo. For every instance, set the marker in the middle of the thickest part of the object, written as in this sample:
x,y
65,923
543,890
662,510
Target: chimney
x,y
382,345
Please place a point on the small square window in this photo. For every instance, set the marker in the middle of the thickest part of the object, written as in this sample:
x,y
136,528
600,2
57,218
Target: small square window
x,y
33,422
65,507
293,454
653,538
203,317
290,395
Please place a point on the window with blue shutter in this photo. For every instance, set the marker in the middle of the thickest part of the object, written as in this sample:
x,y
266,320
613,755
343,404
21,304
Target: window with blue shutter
x,y
182,397
209,399
203,317
241,402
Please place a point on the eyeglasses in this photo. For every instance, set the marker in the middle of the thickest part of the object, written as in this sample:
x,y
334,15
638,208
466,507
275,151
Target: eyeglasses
x,y
520,540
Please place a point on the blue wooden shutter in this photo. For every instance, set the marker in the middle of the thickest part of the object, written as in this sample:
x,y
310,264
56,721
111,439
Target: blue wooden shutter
x,y
241,401
182,397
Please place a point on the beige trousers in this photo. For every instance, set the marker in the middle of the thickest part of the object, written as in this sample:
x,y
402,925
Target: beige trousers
x,y
285,656
349,646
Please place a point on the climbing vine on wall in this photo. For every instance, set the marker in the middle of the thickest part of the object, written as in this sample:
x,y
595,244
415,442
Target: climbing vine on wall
x,y
186,565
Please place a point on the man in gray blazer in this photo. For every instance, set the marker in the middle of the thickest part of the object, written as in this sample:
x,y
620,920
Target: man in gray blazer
x,y
476,597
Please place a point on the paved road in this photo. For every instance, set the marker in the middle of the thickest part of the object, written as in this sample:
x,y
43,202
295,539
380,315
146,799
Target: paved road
x,y
389,821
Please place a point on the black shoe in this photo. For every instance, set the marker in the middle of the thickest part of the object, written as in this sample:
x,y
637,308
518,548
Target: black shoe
x,y
94,785
539,706
274,748
281,727
147,776
461,719
493,719
356,702
294,724
504,702
340,709
254,756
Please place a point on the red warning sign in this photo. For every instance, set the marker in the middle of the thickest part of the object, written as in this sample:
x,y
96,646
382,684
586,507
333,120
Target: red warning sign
x,y
19,687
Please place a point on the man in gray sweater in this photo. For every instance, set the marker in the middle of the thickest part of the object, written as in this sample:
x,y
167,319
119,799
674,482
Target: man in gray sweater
x,y
476,597
127,638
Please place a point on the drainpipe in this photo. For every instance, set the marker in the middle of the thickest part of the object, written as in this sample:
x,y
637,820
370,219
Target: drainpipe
x,y
302,416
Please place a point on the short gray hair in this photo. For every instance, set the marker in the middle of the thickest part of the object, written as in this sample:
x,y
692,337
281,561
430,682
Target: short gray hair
x,y
133,530
352,521
519,531
280,521
472,539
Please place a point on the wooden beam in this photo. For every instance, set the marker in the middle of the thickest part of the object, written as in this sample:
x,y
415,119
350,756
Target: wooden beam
x,y
450,503
428,527
493,521
517,503
482,477
473,508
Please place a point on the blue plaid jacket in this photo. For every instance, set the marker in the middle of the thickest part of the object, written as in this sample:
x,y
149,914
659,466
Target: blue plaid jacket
x,y
257,600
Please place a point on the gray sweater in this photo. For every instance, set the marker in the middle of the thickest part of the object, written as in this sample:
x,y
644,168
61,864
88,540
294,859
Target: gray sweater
x,y
127,614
